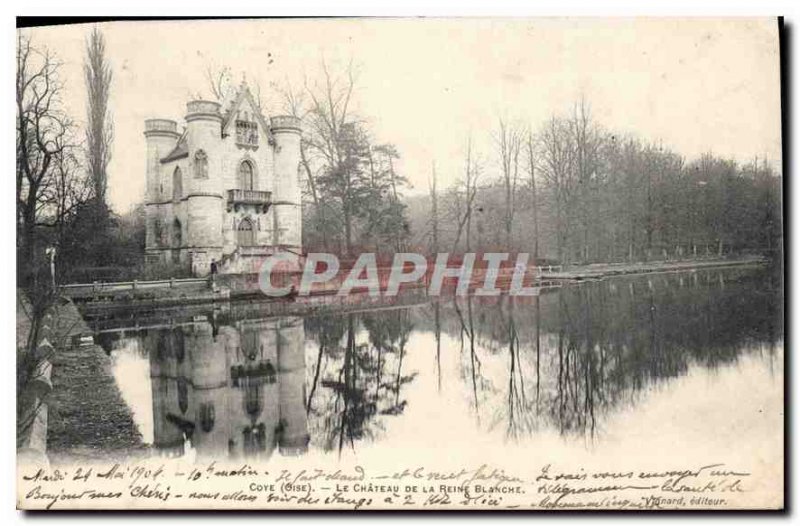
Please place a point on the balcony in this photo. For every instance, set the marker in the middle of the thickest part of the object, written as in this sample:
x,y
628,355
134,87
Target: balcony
x,y
261,200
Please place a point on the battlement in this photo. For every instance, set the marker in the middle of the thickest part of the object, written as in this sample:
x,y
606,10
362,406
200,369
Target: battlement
x,y
202,109
164,127
286,123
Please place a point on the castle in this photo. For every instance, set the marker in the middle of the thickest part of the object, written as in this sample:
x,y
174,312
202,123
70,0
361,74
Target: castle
x,y
225,189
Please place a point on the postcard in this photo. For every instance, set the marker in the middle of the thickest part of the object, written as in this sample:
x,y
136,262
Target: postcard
x,y
400,264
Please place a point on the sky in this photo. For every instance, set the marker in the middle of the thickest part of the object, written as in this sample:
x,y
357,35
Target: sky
x,y
426,85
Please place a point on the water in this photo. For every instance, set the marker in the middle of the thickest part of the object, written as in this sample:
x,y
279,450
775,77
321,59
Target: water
x,y
625,364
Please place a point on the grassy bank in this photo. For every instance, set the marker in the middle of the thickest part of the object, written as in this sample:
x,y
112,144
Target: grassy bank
x,y
88,417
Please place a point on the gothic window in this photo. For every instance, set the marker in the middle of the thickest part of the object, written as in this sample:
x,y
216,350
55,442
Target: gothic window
x,y
201,165
245,236
177,184
250,344
178,345
183,394
246,175
158,233
252,399
177,234
207,416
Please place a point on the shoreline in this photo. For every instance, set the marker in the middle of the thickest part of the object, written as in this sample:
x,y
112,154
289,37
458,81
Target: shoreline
x,y
244,287
604,270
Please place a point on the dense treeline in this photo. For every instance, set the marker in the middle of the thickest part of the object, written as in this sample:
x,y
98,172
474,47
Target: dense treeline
x,y
568,190
575,192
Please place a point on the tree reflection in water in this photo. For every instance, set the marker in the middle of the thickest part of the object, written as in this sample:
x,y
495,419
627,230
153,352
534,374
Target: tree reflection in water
x,y
562,361
360,378
576,354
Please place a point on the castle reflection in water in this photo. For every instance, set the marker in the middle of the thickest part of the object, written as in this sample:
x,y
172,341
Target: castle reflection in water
x,y
229,391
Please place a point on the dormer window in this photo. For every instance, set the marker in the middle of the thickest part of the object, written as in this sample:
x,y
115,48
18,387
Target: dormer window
x,y
246,133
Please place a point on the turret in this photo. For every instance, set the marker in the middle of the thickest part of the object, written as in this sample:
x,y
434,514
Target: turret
x,y
294,436
210,381
203,183
286,190
161,136
170,393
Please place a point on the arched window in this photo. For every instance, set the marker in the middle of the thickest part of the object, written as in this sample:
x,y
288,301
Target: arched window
x,y
201,165
207,416
177,184
158,233
252,399
177,234
178,345
246,175
245,234
250,344
183,394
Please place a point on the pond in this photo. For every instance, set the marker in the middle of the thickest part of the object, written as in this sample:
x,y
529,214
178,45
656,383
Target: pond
x,y
625,364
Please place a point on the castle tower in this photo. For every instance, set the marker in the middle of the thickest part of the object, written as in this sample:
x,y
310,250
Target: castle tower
x,y
287,211
171,392
203,184
161,136
294,436
210,382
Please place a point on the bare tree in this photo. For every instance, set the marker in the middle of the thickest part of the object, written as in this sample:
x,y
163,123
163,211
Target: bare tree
x,y
295,103
49,189
531,151
470,184
509,145
220,81
556,158
434,209
43,133
330,112
69,187
586,139
332,126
